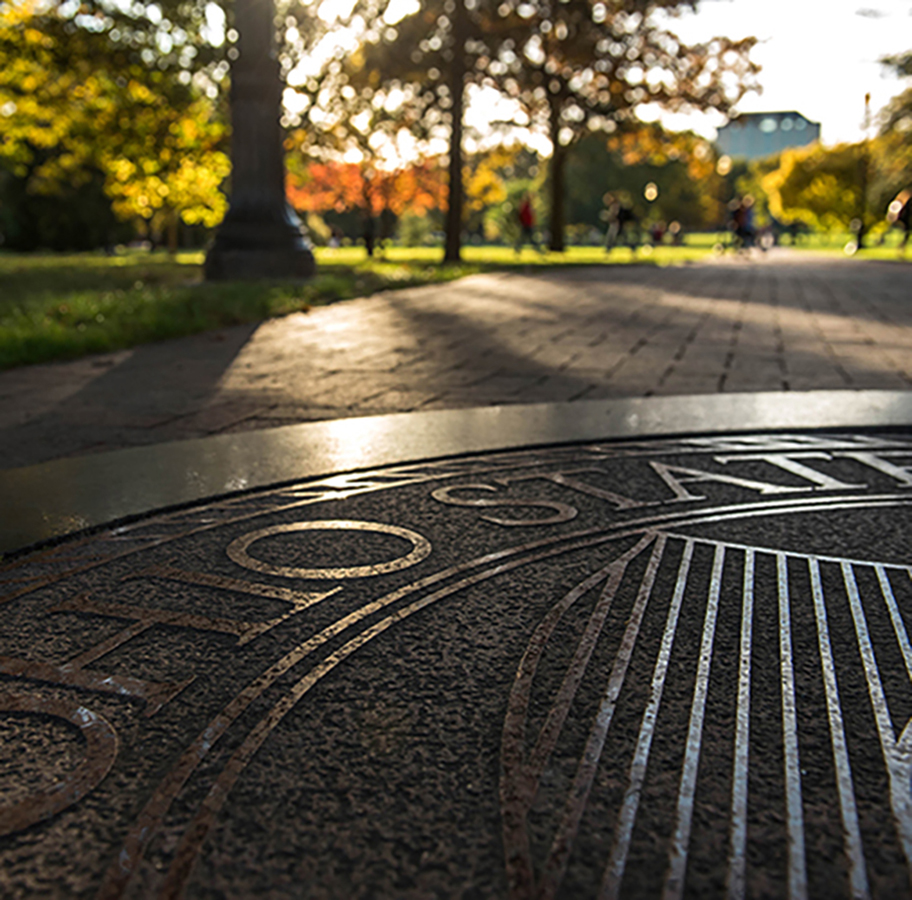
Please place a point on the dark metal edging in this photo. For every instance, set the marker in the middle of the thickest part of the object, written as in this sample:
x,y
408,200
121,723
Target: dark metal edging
x,y
51,500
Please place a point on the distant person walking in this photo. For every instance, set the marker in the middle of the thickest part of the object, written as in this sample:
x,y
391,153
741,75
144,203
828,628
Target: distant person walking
x,y
742,223
621,224
526,215
899,213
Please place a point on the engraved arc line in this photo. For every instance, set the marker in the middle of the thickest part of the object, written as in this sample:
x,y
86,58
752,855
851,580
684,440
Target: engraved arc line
x,y
677,868
854,851
786,508
561,845
614,870
735,882
747,511
518,780
547,738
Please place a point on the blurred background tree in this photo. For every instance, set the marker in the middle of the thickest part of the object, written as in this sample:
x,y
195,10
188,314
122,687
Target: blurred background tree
x,y
819,186
324,188
361,129
893,146
419,68
582,66
113,123
847,186
680,166
96,102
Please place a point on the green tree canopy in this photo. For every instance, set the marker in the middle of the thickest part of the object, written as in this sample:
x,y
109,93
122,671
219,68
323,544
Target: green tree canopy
x,y
572,67
584,66
820,186
418,69
682,166
87,91
894,170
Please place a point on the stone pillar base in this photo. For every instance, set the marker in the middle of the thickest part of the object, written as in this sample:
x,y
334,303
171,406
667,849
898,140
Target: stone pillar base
x,y
257,264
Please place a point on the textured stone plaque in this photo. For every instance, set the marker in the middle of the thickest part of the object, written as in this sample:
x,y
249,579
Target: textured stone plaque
x,y
654,668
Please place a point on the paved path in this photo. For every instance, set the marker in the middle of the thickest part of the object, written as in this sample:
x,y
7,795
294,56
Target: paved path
x,y
784,321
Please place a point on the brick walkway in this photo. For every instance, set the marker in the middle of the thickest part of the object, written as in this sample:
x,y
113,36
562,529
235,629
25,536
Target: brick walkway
x,y
780,322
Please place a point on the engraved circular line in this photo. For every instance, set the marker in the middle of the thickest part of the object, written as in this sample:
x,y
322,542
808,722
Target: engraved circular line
x,y
100,752
421,549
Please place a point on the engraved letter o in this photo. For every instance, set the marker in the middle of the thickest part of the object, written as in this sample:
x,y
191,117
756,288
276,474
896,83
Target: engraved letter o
x,y
100,751
421,548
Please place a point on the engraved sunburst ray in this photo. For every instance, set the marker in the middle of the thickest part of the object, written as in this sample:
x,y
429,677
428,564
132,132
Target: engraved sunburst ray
x,y
521,770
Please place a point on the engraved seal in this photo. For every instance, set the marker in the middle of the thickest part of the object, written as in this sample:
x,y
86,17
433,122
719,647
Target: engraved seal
x,y
659,667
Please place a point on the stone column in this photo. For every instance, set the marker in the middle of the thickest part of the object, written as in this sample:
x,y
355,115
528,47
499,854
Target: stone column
x,y
261,236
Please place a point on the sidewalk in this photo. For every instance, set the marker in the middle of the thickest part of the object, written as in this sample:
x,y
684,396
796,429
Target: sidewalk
x,y
781,322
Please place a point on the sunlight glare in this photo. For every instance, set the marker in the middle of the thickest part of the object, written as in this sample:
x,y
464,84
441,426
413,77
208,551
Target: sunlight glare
x,y
214,29
335,10
399,9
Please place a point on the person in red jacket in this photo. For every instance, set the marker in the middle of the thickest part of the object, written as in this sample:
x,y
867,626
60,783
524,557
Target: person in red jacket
x,y
526,224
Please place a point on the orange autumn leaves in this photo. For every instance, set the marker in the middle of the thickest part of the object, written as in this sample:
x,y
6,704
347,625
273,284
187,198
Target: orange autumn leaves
x,y
338,186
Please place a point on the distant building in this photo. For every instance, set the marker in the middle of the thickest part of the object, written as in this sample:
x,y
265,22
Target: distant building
x,y
756,135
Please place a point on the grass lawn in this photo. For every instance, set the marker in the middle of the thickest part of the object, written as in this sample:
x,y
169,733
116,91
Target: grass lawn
x,y
62,306
836,244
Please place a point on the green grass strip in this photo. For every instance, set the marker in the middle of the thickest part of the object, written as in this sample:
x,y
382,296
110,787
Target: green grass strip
x,y
63,306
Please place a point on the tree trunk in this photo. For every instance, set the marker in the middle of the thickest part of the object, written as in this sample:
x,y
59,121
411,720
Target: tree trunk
x,y
369,233
367,197
558,159
453,241
172,231
863,167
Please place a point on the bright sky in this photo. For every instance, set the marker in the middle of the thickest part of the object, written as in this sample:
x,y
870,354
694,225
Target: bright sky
x,y
819,57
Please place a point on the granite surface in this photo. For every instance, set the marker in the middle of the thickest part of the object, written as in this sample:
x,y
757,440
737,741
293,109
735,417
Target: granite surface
x,y
599,669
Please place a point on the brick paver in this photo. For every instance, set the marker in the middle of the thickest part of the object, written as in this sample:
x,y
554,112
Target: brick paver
x,y
780,322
